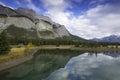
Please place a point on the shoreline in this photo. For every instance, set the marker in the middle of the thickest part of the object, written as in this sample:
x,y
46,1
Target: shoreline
x,y
15,62
71,47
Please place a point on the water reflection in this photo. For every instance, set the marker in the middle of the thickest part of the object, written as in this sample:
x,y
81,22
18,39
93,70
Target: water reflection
x,y
44,63
89,66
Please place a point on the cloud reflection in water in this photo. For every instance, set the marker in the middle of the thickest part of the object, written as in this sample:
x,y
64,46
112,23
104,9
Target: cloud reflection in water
x,y
89,67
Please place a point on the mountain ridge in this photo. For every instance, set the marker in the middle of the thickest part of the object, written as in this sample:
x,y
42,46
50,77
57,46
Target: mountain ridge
x,y
29,19
110,38
30,23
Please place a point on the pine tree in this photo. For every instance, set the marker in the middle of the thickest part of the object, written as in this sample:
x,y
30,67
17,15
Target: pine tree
x,y
4,46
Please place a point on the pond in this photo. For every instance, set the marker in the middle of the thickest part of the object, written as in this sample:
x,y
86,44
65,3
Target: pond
x,y
67,65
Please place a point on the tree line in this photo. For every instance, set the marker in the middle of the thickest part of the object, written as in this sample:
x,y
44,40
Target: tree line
x,y
5,42
60,41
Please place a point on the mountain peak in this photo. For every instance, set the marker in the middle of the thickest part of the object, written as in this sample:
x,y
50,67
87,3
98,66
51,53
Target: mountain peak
x,y
7,11
20,9
27,23
114,36
111,38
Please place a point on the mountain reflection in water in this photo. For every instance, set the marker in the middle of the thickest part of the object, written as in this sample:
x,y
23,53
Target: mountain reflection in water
x,y
43,63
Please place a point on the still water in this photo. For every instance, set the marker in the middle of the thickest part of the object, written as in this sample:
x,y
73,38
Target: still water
x,y
67,65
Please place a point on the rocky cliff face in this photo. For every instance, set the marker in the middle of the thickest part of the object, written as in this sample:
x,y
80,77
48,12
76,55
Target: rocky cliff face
x,y
7,11
29,20
17,21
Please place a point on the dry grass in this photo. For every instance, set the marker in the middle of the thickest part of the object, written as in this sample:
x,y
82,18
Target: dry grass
x,y
16,53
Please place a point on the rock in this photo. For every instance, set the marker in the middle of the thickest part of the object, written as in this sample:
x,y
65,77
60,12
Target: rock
x,y
62,31
32,14
26,12
30,20
7,11
21,22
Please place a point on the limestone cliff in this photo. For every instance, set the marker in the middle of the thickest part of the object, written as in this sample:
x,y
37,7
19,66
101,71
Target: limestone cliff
x,y
30,21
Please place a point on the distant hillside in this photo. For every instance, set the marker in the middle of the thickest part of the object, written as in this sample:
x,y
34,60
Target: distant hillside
x,y
77,38
111,38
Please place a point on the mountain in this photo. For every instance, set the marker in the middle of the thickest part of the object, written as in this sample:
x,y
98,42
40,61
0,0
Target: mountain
x,y
78,38
111,38
27,23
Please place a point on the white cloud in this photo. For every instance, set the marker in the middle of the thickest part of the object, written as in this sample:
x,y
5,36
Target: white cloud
x,y
55,4
57,10
100,21
1,3
17,2
105,20
31,5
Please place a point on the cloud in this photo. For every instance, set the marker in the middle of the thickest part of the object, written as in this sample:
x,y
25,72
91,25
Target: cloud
x,y
57,10
31,5
104,19
55,4
97,2
97,22
2,3
6,5
17,2
100,21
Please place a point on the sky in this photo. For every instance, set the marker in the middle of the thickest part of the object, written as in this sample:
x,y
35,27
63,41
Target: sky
x,y
85,18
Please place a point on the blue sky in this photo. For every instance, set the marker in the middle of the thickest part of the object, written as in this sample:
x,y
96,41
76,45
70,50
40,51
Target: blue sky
x,y
85,18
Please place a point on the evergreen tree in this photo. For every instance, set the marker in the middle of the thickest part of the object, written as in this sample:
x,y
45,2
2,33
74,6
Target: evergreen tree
x,y
4,46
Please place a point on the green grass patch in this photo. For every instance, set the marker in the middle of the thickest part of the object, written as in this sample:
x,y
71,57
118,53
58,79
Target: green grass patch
x,y
46,33
14,31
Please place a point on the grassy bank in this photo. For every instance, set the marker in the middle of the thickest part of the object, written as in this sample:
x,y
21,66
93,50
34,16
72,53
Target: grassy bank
x,y
16,53
72,47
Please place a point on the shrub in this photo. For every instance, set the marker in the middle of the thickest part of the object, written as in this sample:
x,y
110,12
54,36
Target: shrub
x,y
4,46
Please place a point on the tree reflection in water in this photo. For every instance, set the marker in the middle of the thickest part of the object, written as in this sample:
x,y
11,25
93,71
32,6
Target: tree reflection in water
x,y
43,63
